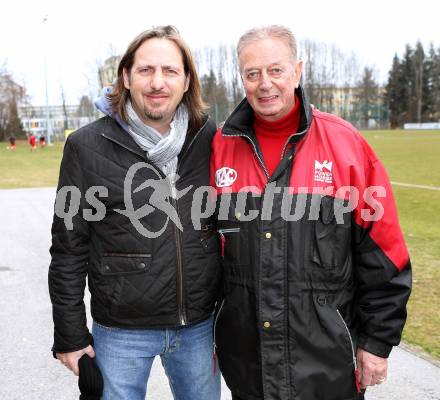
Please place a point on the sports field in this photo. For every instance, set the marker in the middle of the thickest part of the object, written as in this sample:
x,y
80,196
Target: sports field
x,y
411,157
22,168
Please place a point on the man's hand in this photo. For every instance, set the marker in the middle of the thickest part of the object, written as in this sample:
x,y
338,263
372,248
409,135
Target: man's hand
x,y
70,360
372,369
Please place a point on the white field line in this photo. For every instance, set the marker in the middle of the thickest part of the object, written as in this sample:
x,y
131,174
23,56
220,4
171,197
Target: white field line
x,y
410,185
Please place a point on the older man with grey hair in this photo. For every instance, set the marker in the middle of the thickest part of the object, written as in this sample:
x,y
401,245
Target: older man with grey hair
x,y
316,271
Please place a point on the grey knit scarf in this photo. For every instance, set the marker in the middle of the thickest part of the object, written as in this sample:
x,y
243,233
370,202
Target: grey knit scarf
x,y
161,149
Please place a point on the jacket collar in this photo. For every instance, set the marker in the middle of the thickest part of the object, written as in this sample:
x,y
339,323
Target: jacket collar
x,y
240,122
114,132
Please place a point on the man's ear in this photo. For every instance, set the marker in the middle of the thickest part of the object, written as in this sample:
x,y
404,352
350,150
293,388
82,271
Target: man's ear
x,y
298,72
126,79
187,80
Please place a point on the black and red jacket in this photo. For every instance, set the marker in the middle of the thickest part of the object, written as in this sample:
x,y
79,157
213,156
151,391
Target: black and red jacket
x,y
310,273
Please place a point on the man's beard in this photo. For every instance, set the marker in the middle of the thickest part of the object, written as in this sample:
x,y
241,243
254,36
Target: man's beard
x,y
153,116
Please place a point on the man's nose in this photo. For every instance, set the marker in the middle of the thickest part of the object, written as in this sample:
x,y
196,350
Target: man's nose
x,y
157,81
265,81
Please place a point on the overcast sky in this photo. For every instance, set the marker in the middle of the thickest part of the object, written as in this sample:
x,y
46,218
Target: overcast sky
x,y
78,33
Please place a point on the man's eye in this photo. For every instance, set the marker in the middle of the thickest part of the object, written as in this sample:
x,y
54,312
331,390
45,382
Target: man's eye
x,y
253,75
276,71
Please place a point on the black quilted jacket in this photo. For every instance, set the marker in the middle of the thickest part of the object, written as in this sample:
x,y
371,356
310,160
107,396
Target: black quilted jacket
x,y
135,281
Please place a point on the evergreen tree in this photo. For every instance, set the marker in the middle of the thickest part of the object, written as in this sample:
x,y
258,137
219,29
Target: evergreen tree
x,y
366,96
429,74
393,92
412,93
407,83
419,80
435,84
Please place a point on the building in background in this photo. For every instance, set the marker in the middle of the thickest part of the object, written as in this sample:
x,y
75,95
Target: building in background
x,y
364,109
61,118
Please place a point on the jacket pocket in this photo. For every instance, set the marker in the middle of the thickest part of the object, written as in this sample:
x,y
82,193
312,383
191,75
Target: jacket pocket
x,y
332,238
125,264
334,352
237,343
233,249
353,352
123,275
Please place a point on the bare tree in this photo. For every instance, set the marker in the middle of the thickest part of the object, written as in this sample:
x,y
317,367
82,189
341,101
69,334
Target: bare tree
x,y
221,83
63,103
12,95
86,107
233,73
329,77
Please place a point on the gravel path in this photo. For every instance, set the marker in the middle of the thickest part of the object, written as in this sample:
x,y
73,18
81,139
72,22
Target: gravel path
x,y
27,369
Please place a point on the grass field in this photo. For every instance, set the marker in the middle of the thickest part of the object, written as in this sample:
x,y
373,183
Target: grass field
x,y
21,168
413,157
409,156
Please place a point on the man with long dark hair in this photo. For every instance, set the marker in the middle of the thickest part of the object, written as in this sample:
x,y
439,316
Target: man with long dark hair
x,y
153,277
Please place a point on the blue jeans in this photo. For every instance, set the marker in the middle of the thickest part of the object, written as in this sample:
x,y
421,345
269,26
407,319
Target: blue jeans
x,y
125,358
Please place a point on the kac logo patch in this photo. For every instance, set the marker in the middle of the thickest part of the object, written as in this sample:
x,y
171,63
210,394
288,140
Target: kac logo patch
x,y
225,176
323,171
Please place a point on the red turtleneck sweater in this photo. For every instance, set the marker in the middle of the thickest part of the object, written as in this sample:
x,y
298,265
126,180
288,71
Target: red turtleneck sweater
x,y
272,135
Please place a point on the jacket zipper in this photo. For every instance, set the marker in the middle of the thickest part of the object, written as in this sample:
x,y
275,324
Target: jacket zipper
x,y
255,151
178,237
356,371
288,140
